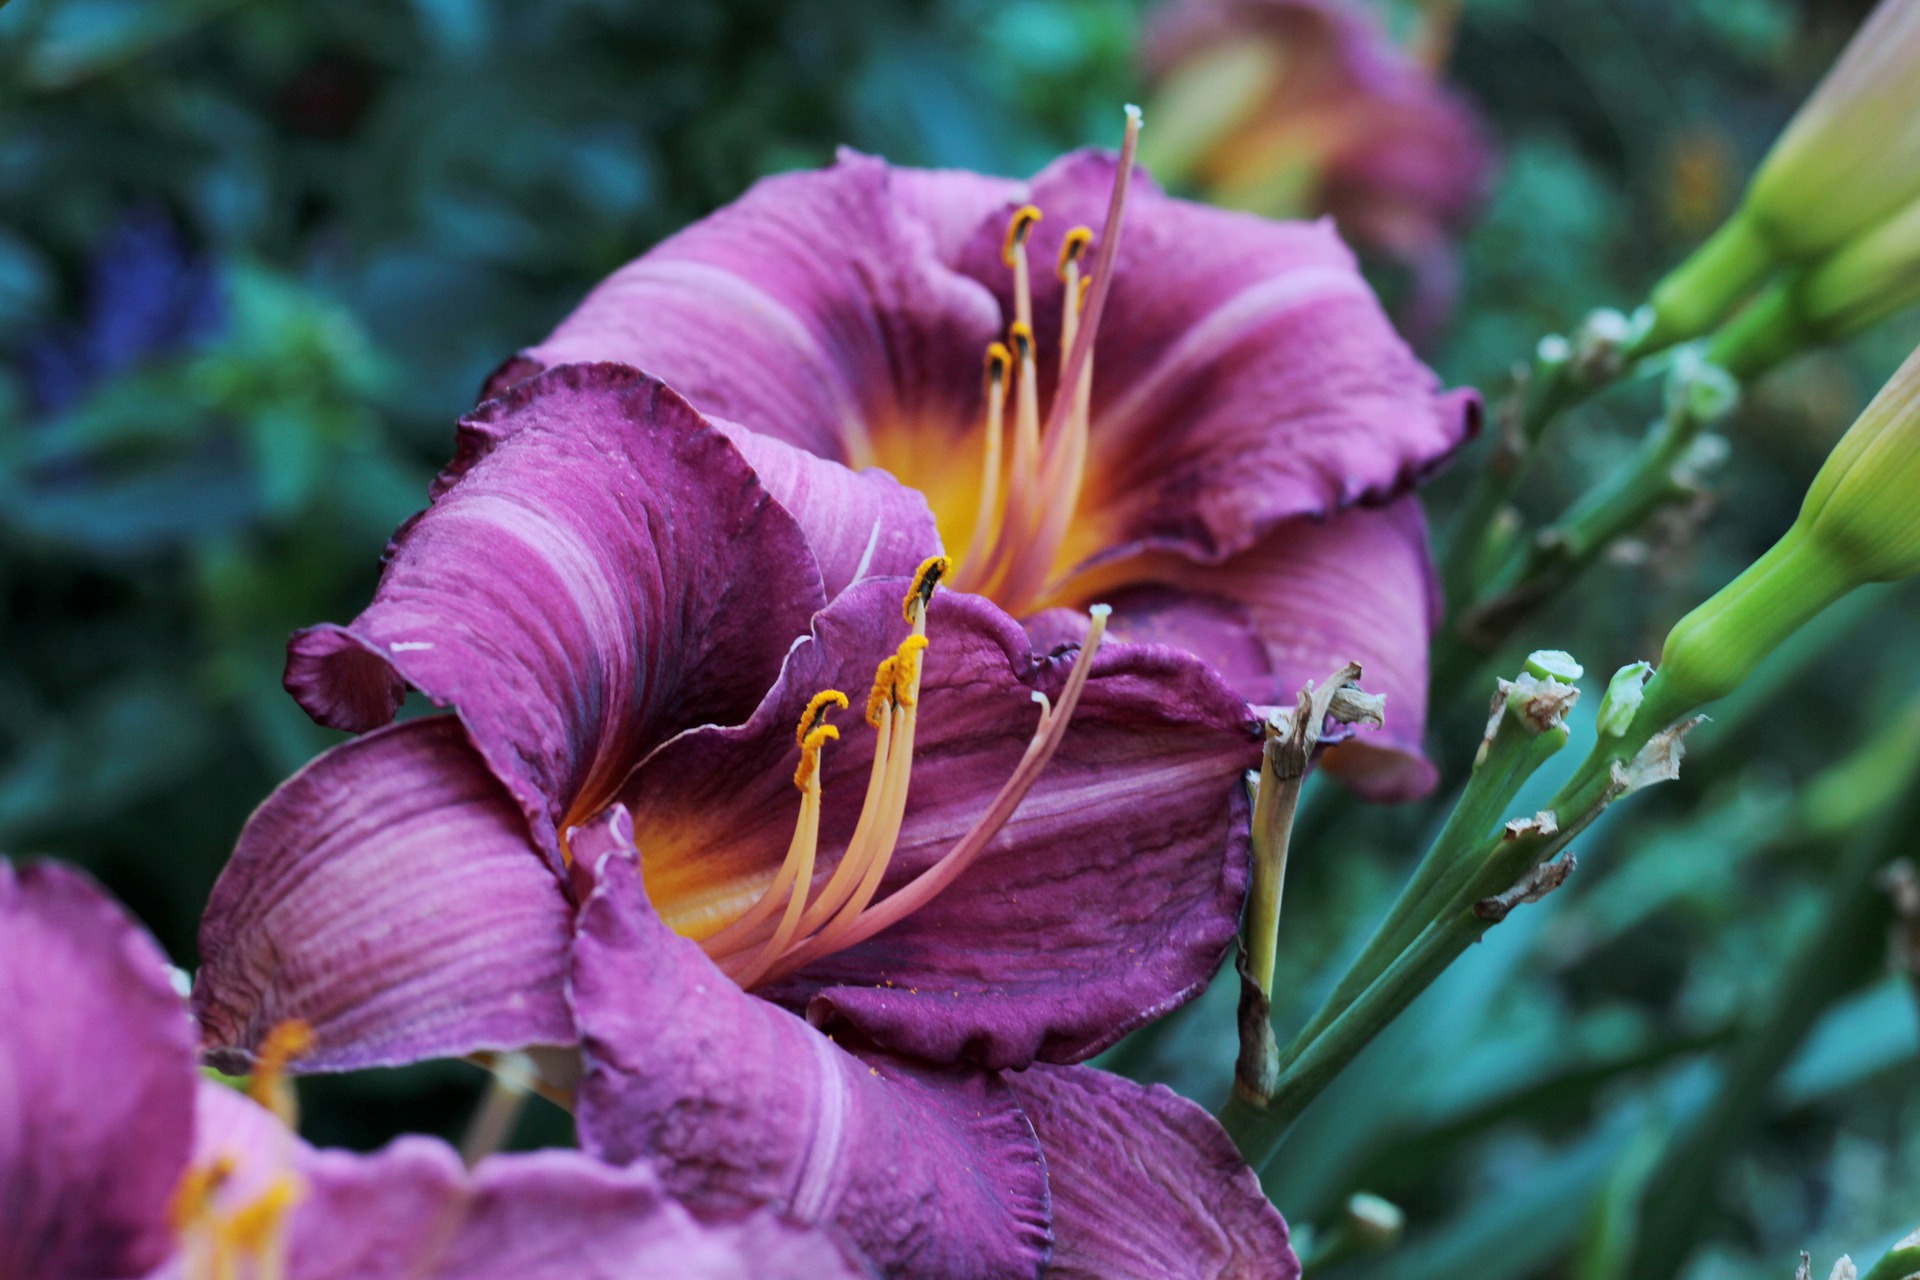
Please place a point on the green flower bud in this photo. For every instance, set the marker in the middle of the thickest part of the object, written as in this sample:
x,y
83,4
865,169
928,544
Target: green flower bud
x,y
1860,523
1851,155
1849,160
1864,506
1870,278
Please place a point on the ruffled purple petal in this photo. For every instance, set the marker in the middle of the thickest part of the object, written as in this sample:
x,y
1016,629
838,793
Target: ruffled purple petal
x,y
410,1212
1244,372
96,1081
1314,594
931,1172
1109,898
860,524
1146,1185
814,309
387,895
599,570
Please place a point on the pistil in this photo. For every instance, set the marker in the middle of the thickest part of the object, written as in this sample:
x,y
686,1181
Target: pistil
x,y
752,950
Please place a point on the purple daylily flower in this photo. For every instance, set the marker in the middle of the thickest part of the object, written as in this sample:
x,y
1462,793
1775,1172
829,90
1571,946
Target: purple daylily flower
x,y
115,1161
631,605
1233,478
396,897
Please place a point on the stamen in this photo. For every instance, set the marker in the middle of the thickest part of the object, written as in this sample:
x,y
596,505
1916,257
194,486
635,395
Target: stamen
x,y
269,1085
192,1201
1064,464
850,931
810,748
216,1241
1014,558
1016,522
791,882
1019,227
1021,336
880,701
816,712
845,911
259,1230
1072,247
925,579
999,366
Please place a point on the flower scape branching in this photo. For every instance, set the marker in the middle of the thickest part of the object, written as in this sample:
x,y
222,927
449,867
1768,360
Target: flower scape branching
x,y
877,644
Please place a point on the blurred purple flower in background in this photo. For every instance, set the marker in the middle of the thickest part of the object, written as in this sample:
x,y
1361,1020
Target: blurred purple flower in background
x,y
1300,107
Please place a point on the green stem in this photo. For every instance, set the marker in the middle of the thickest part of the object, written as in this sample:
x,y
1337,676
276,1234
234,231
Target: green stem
x,y
1513,756
1273,811
1618,506
1697,293
1491,867
1551,388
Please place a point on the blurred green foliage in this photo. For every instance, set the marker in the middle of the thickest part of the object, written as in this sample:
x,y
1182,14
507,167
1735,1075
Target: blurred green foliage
x,y
255,257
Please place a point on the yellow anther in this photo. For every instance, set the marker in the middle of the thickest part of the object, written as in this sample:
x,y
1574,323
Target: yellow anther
x,y
269,1085
906,669
999,361
1073,246
816,712
810,752
193,1198
1018,229
925,579
882,696
1021,336
256,1227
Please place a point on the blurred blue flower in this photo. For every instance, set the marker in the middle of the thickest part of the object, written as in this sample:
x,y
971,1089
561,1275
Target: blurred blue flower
x,y
149,295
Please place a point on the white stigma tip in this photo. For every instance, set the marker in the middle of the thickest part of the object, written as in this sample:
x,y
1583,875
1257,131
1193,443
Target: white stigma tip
x,y
1100,610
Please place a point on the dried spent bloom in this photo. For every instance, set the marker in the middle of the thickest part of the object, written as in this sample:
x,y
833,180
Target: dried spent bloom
x,y
116,1160
1302,107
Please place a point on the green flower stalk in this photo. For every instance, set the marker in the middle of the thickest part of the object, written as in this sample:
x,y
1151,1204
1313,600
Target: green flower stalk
x,y
1849,160
1860,523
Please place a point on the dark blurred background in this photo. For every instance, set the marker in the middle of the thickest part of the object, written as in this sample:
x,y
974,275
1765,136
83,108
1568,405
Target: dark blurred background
x,y
256,257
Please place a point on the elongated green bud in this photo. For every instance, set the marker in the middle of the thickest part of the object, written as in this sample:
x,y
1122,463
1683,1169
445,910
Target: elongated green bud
x,y
1860,523
1871,277
1848,161
1851,156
